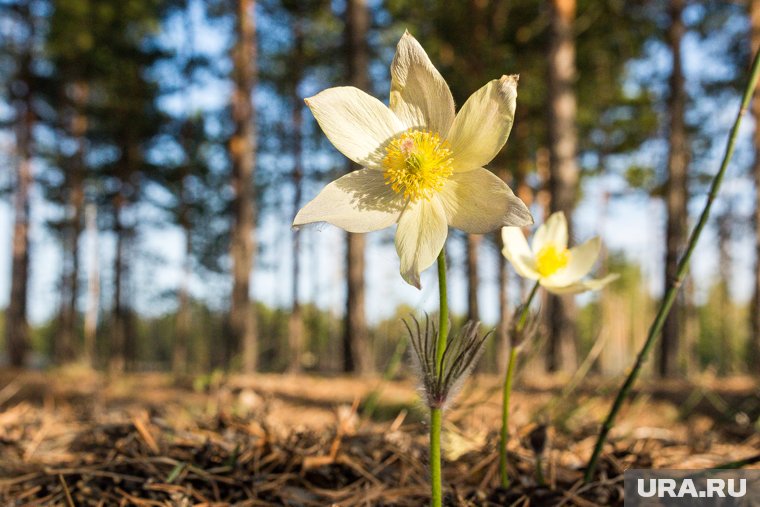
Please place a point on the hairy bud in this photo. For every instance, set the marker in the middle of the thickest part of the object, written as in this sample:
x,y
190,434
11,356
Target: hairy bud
x,y
459,357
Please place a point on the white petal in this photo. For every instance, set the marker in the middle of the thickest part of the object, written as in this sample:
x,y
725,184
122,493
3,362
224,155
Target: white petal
x,y
360,201
479,202
483,124
420,237
582,286
356,123
518,253
582,259
552,232
419,95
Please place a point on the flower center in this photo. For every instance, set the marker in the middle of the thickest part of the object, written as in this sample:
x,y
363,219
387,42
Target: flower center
x,y
551,259
417,164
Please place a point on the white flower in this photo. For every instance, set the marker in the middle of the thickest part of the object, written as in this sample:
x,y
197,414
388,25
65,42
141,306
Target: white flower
x,y
548,260
422,164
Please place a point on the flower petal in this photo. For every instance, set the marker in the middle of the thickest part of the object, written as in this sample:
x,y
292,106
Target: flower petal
x,y
551,232
483,124
360,201
356,123
583,285
479,202
419,95
518,253
420,236
582,259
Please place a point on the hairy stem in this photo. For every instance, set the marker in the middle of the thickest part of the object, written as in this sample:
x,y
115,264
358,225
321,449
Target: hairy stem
x,y
443,314
683,265
436,413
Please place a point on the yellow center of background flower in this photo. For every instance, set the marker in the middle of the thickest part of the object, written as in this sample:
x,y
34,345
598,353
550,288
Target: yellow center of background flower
x,y
417,164
551,259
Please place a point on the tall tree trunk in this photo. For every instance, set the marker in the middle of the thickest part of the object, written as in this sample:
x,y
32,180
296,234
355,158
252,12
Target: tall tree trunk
x,y
189,136
295,321
117,361
16,324
725,318
473,310
93,288
675,192
243,154
754,346
357,349
563,168
183,323
502,328
65,343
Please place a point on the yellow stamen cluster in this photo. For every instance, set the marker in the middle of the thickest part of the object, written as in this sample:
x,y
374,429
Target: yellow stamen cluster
x,y
551,259
417,164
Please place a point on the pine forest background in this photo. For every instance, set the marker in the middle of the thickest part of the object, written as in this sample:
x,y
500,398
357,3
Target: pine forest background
x,y
153,154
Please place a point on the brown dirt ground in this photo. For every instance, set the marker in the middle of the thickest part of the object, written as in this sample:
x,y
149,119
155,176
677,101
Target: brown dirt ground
x,y
73,437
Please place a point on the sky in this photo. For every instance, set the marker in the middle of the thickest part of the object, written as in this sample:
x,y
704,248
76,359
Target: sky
x,y
630,223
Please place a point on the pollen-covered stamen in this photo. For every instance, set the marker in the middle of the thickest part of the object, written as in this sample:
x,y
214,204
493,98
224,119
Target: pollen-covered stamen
x,y
551,259
417,164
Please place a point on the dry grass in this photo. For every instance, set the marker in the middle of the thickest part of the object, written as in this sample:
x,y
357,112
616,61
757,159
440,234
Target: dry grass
x,y
76,438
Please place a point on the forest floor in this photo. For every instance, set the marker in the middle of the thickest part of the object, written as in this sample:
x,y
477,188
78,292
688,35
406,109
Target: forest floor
x,y
72,437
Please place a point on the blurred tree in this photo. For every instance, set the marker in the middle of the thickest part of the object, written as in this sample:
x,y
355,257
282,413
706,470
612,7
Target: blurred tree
x,y
676,195
754,346
564,171
242,148
120,90
21,46
357,350
69,48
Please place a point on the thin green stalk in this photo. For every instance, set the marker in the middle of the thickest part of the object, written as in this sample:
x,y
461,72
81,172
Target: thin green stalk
x,y
436,413
540,470
506,393
683,265
507,390
443,314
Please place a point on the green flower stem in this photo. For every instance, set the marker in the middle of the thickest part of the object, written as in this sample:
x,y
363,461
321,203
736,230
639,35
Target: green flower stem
x,y
507,390
540,470
436,413
443,314
683,265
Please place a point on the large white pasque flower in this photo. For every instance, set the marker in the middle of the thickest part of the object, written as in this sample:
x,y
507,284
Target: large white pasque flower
x,y
548,260
422,164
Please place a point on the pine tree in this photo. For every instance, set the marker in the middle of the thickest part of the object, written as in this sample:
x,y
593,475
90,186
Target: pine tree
x,y
242,149
676,195
357,350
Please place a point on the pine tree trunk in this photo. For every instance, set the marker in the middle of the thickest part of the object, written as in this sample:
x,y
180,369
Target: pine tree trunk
x,y
295,320
502,330
754,346
675,192
243,154
65,343
357,350
117,361
473,310
93,288
183,318
563,169
16,324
